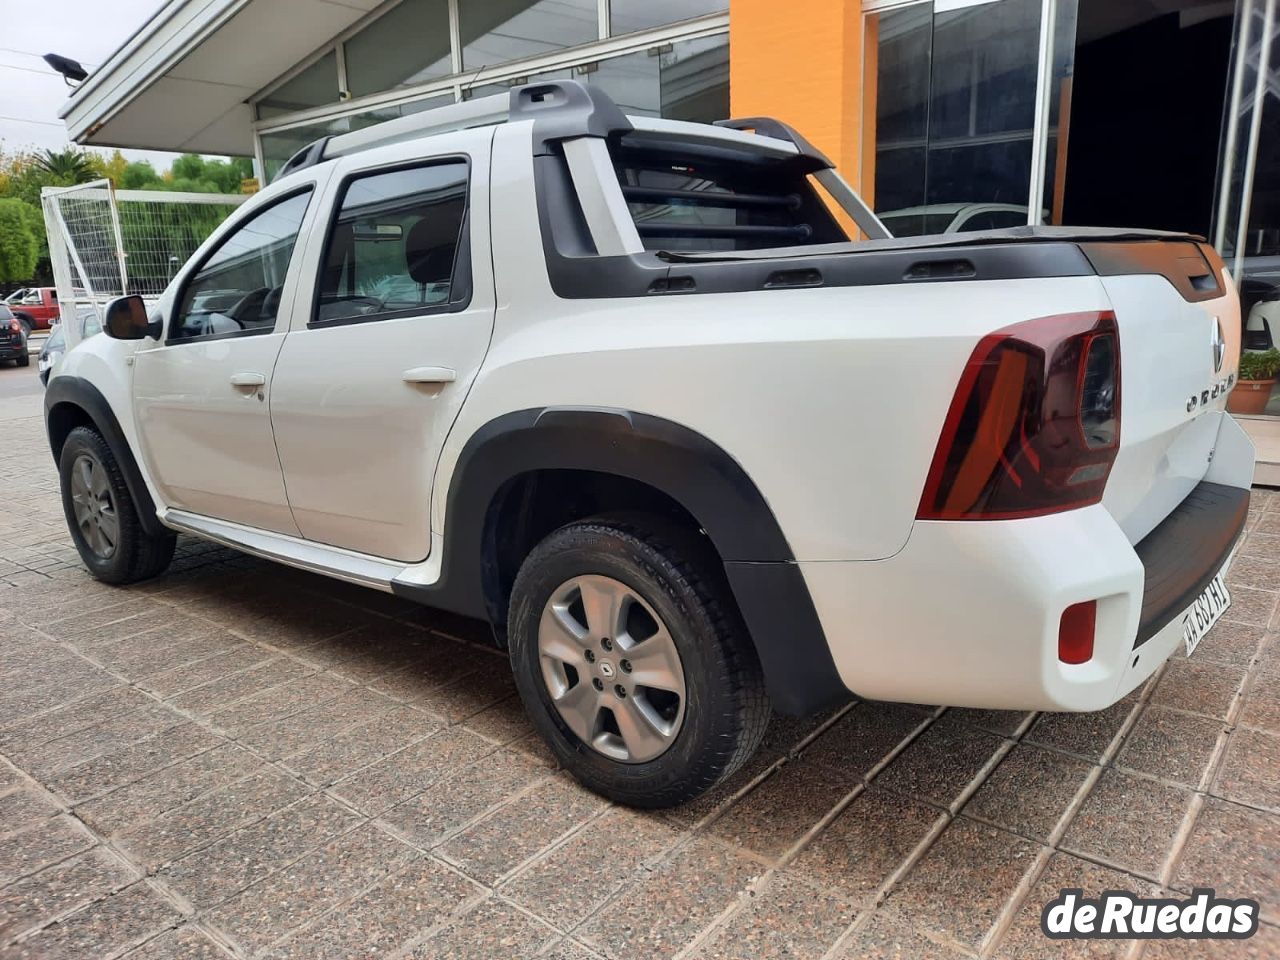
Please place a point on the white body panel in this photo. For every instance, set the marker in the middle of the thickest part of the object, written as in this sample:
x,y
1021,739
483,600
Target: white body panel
x,y
343,388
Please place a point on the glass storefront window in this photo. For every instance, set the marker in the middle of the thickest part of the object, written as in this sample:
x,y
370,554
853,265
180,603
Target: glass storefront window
x,y
498,31
313,87
688,80
279,146
628,16
1250,230
954,115
409,44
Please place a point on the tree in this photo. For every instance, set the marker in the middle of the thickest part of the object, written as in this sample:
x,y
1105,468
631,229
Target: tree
x,y
70,166
19,245
109,167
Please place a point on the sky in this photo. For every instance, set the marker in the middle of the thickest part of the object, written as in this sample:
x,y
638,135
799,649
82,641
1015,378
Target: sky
x,y
30,92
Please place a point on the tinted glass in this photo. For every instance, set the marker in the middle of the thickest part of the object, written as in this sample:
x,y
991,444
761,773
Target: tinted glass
x,y
394,246
689,81
409,44
313,87
237,290
687,203
496,31
995,220
626,16
954,107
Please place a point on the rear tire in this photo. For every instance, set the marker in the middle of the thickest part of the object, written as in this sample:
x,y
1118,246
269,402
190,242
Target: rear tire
x,y
24,360
101,514
619,726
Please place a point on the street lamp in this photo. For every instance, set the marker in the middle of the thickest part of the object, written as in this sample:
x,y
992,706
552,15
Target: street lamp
x,y
72,72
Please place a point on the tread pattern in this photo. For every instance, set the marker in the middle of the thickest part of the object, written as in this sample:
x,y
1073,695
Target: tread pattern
x,y
690,568
139,556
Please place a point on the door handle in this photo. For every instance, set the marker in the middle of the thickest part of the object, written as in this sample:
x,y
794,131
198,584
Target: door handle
x,y
248,379
429,375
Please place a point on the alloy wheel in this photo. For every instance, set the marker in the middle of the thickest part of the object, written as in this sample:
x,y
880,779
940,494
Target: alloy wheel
x,y
611,668
94,505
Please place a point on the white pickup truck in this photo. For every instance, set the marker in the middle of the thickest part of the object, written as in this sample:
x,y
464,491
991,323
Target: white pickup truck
x,y
636,392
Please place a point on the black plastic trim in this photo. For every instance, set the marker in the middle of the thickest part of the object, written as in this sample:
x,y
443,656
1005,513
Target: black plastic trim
x,y
708,483
1193,268
769,127
78,392
1186,551
563,109
576,272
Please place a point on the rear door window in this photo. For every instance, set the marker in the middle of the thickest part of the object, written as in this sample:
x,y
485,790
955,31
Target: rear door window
x,y
394,249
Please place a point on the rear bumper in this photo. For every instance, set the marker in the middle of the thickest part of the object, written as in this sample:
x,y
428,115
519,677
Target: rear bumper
x,y
12,351
967,614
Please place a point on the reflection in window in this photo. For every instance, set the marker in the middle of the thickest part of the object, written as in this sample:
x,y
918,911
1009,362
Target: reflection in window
x,y
237,289
627,16
395,242
955,107
280,145
408,44
496,31
687,81
313,87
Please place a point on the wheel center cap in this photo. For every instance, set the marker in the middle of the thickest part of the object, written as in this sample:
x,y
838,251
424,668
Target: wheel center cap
x,y
606,669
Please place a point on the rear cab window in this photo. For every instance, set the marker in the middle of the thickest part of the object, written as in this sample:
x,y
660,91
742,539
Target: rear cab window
x,y
694,201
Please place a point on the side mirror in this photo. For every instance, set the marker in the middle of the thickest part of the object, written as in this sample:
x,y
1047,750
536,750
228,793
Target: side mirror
x,y
126,319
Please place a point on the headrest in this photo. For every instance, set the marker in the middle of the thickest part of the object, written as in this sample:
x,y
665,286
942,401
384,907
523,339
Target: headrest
x,y
429,260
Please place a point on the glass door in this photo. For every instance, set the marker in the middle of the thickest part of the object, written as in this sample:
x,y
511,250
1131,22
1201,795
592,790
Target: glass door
x,y
1247,224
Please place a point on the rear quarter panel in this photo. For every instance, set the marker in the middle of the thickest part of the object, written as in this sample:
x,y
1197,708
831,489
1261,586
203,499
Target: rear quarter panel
x,y
831,399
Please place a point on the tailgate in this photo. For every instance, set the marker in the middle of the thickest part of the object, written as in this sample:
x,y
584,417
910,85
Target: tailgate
x,y
1179,321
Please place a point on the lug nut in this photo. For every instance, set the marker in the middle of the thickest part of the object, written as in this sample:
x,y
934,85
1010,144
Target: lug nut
x,y
606,644
626,666
598,683
591,656
620,691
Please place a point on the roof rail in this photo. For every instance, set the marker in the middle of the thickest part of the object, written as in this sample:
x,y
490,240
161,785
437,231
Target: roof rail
x,y
560,109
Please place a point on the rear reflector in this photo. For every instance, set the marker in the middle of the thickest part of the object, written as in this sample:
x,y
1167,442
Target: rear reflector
x,y
1034,425
1075,632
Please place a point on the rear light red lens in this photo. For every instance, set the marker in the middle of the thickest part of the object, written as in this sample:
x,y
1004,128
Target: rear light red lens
x,y
1075,632
15,326
1034,425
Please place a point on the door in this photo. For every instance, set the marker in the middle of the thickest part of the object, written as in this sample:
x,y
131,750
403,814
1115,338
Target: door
x,y
373,375
201,398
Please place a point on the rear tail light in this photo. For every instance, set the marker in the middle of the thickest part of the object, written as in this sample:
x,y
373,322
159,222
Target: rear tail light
x,y
15,326
1034,425
1075,632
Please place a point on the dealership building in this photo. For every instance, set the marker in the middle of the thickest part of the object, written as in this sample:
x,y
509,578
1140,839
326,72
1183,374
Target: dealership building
x,y
946,114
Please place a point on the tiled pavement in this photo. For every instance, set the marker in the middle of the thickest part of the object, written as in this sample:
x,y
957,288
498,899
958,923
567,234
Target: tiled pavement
x,y
239,760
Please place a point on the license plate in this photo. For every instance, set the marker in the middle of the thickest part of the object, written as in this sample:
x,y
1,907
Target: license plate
x,y
1204,613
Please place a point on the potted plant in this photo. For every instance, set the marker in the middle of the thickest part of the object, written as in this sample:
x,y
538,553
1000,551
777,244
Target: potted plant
x,y
1256,377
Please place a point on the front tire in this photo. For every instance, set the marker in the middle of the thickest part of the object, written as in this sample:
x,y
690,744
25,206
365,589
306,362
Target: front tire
x,y
633,663
101,514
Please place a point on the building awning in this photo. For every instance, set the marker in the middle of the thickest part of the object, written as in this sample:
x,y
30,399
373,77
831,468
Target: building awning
x,y
182,82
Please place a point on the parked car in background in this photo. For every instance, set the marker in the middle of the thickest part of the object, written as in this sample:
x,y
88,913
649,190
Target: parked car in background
x,y
56,344
13,338
952,218
35,307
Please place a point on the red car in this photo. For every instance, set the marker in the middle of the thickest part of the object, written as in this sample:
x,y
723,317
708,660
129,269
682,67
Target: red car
x,y
35,307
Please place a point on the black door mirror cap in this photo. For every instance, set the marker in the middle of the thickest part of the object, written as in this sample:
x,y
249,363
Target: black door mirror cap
x,y
125,318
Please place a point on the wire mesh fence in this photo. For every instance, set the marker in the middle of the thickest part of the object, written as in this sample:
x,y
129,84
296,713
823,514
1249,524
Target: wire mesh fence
x,y
105,243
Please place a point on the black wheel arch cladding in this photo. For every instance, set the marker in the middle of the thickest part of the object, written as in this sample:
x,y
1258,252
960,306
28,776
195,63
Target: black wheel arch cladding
x,y
70,402
676,461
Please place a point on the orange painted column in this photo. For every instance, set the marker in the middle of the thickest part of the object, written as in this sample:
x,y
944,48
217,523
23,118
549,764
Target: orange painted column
x,y
801,62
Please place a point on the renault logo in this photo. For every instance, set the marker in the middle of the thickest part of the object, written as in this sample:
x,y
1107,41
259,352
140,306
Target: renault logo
x,y
1219,345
